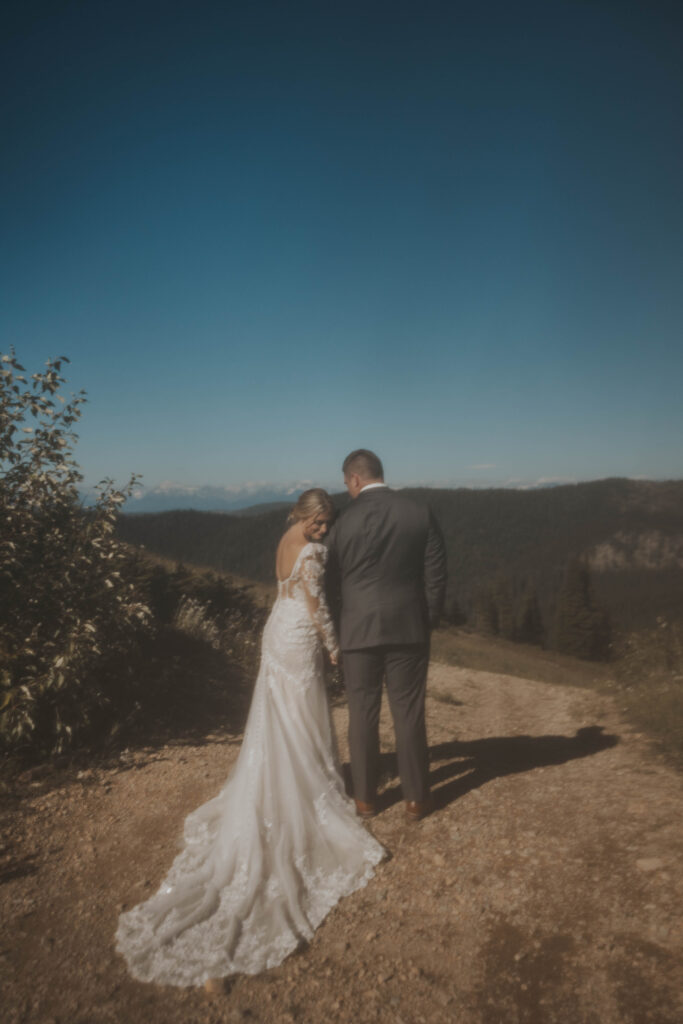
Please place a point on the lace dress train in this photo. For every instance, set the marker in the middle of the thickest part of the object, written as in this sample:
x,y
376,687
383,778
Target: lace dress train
x,y
265,860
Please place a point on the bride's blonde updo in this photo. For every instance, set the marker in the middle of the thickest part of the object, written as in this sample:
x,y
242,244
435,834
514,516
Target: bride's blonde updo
x,y
313,502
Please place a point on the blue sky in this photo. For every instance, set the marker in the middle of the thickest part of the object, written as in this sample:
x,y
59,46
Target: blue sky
x,y
268,233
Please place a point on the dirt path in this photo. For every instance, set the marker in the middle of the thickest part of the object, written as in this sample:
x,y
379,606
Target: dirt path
x,y
546,888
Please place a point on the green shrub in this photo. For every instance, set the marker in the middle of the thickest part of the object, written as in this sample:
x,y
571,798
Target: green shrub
x,y
71,619
651,654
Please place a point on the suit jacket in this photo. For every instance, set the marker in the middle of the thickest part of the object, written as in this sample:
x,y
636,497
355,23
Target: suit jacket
x,y
388,560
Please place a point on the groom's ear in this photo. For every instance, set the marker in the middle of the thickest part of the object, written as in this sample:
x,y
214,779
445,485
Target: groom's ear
x,y
353,483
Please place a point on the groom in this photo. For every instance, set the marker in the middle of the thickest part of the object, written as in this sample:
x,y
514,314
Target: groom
x,y
389,555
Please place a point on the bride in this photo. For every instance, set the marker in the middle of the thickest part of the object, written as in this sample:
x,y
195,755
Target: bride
x,y
265,861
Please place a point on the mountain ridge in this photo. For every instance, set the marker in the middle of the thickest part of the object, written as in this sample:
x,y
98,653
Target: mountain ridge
x,y
629,532
170,496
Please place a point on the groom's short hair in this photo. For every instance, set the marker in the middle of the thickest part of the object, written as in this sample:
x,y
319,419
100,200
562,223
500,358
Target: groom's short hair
x,y
365,463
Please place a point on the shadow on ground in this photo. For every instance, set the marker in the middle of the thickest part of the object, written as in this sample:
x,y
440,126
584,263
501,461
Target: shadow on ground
x,y
458,767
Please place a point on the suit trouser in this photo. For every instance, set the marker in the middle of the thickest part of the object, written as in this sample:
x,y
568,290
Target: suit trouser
x,y
405,668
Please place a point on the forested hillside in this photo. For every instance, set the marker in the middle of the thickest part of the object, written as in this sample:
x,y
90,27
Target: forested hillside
x,y
512,554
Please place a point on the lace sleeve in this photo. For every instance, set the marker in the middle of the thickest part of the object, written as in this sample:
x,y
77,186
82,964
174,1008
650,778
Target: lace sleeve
x,y
312,575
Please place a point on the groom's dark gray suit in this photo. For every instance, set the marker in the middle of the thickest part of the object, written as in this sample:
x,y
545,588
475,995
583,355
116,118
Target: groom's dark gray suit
x,y
388,554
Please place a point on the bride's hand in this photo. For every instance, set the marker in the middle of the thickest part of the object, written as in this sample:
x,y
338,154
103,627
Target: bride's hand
x,y
334,658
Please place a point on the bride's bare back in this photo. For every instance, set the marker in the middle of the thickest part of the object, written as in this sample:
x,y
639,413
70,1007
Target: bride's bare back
x,y
288,550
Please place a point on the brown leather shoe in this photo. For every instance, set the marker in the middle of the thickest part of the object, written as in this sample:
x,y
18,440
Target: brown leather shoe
x,y
364,810
416,810
215,987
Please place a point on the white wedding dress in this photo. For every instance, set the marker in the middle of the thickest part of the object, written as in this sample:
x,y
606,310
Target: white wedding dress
x,y
265,860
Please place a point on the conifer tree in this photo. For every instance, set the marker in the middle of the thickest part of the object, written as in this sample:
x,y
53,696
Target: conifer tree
x,y
453,613
505,616
485,612
529,628
581,626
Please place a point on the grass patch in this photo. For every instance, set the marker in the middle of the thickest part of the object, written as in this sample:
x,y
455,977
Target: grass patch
x,y
465,649
658,711
648,681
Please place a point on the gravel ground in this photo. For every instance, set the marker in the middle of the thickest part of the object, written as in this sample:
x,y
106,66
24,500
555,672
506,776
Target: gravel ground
x,y
545,888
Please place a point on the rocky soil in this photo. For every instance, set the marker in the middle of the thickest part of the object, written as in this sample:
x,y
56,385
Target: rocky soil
x,y
547,886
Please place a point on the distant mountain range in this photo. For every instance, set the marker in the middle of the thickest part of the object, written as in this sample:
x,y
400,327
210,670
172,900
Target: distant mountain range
x,y
166,497
169,496
629,532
